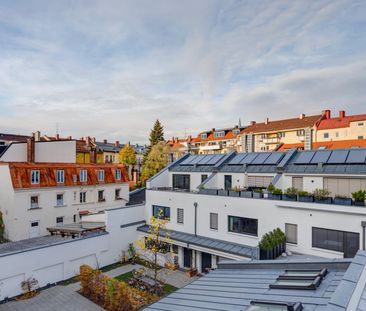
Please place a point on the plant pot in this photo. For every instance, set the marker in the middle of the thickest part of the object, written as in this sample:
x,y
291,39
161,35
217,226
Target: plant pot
x,y
208,191
286,197
223,192
191,273
234,193
359,203
342,201
323,201
272,196
246,194
265,254
257,195
306,198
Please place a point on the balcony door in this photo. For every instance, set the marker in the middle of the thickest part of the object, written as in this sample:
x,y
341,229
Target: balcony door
x,y
228,182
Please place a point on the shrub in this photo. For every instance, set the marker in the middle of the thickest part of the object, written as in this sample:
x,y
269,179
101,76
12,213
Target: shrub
x,y
258,190
303,193
321,194
291,192
270,187
359,195
277,191
272,239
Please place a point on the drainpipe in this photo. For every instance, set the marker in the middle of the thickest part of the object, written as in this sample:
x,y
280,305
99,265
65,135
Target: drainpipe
x,y
363,224
195,218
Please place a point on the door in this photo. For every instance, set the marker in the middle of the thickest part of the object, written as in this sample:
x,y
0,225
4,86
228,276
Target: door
x,y
187,262
34,229
206,261
351,244
228,182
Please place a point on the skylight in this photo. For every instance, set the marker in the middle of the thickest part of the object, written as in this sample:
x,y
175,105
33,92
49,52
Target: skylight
x,y
259,305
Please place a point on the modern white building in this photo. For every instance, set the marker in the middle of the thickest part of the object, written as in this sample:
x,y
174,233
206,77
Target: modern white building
x,y
214,213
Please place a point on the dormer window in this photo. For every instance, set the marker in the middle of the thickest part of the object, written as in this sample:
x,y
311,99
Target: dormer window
x,y
236,132
83,177
35,177
204,136
219,134
101,175
118,174
60,175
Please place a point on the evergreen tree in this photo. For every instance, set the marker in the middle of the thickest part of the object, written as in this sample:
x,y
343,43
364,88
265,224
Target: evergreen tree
x,y
156,135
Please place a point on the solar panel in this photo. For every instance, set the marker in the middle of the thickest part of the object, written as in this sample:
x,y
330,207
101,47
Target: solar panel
x,y
356,156
205,159
305,157
274,158
236,160
338,157
196,159
261,158
249,158
189,159
321,157
215,159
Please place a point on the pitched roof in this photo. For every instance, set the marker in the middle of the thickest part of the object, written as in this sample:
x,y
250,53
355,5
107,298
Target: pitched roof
x,y
229,134
340,122
20,173
335,144
280,125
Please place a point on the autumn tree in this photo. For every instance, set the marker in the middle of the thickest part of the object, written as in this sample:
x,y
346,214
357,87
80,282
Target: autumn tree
x,y
156,160
127,156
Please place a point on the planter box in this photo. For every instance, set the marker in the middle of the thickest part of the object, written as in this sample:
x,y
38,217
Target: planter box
x,y
272,196
234,193
306,198
342,201
285,197
359,203
257,195
266,254
191,273
223,192
246,194
323,201
208,191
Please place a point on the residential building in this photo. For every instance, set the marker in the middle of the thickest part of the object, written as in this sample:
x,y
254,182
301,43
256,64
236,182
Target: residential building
x,y
211,220
110,150
332,144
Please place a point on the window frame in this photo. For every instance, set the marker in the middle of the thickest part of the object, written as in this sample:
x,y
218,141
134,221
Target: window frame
x,y
117,174
101,197
58,218
166,212
326,135
57,200
119,194
101,175
35,177
181,181
82,197
83,175
286,233
32,206
60,176
204,136
242,225
212,223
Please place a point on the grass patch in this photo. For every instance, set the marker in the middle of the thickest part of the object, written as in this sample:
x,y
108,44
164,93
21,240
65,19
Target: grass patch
x,y
168,289
113,266
124,277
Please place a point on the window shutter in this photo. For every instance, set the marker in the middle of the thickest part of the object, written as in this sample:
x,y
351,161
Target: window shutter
x,y
180,215
291,233
214,221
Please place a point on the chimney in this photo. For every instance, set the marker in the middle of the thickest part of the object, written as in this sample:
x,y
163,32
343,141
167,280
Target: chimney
x,y
326,113
342,114
116,143
57,136
93,139
93,156
267,121
105,141
37,136
213,129
87,139
30,150
252,122
189,138
69,137
302,116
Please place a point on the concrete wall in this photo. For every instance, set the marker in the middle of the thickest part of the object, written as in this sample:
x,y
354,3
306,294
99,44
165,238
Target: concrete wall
x,y
62,261
56,151
16,152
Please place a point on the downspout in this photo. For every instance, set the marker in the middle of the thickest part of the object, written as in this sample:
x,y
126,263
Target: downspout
x,y
195,218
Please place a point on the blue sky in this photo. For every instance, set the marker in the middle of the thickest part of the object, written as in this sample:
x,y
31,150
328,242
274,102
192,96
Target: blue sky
x,y
110,68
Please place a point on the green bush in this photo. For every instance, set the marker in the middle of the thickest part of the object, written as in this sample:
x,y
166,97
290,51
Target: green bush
x,y
270,188
303,193
291,192
359,195
277,191
272,239
258,190
321,194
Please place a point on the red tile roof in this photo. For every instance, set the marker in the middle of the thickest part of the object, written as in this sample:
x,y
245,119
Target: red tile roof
x,y
334,123
280,125
335,144
210,135
20,173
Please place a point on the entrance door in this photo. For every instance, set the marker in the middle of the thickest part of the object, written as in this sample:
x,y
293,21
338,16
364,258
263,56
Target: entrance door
x,y
228,182
206,261
34,229
187,262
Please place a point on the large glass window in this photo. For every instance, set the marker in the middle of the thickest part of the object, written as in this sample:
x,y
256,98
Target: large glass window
x,y
335,240
228,182
182,181
291,233
162,212
243,225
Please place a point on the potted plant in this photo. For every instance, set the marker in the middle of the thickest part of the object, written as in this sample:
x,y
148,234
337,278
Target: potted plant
x,y
132,252
265,248
208,191
359,197
234,192
276,194
305,196
257,193
246,193
270,187
223,192
290,194
342,200
191,272
322,196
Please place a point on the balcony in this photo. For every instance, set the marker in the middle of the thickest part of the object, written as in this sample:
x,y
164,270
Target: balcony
x,y
271,140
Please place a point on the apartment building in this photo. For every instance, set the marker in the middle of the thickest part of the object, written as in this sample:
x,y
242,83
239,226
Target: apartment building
x,y
214,213
42,186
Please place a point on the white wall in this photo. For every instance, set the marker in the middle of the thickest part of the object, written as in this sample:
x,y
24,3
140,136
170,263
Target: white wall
x,y
56,151
17,152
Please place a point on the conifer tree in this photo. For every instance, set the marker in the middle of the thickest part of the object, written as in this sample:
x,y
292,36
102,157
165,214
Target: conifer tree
x,y
156,135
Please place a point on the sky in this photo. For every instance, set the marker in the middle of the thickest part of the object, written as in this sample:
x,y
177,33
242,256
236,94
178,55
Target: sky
x,y
108,68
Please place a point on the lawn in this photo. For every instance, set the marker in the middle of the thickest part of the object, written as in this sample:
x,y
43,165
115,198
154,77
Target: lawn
x,y
168,289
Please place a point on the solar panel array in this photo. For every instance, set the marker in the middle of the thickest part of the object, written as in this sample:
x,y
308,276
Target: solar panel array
x,y
340,156
259,158
210,159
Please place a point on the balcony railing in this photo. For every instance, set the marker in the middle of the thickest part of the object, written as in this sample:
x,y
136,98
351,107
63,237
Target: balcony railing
x,y
273,140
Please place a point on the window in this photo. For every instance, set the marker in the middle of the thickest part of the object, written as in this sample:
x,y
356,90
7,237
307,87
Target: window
x,y
74,217
243,225
59,220
82,197
117,194
340,241
35,177
203,177
326,135
83,175
336,134
60,174
180,215
101,196
59,199
101,175
291,233
34,201
118,174
219,134
236,132
182,181
204,136
360,124
227,182
360,137
281,134
34,224
214,224
300,132
161,212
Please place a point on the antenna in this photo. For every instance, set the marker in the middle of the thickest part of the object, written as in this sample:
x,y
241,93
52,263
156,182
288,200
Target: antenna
x,y
56,127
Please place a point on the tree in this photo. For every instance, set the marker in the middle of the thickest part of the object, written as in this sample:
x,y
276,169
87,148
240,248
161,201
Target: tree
x,y
156,160
156,136
127,156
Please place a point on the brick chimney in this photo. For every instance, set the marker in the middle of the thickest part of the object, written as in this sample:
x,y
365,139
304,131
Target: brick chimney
x,y
30,150
326,113
267,121
252,122
105,141
342,114
302,116
116,143
87,139
57,136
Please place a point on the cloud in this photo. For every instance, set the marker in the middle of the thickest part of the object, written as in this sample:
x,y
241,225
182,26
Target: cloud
x,y
109,68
